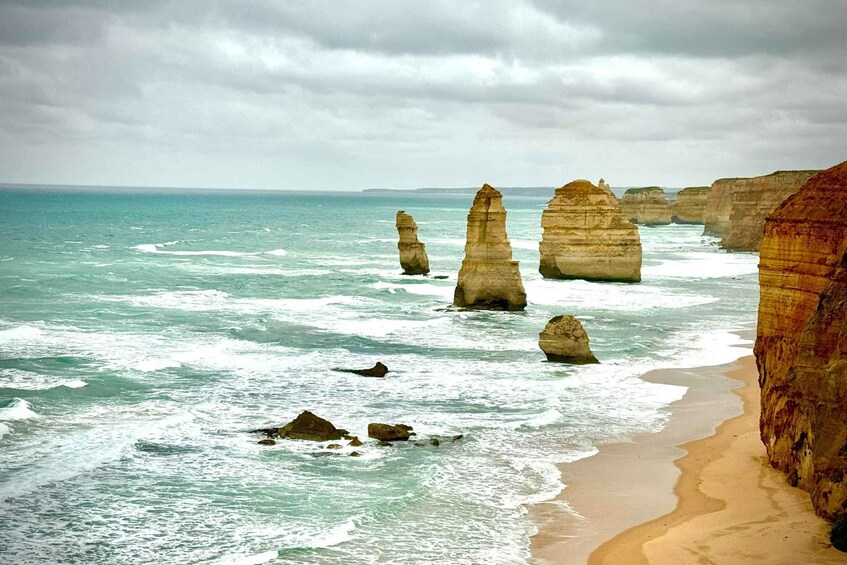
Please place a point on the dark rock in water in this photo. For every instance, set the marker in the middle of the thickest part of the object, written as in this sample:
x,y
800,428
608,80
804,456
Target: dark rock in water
x,y
307,426
354,454
334,446
384,443
457,437
434,442
355,442
419,444
267,442
387,432
379,370
838,535
441,277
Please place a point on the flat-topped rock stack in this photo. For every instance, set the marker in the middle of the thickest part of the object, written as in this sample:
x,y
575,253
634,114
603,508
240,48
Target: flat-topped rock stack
x,y
737,207
587,237
489,279
801,342
413,257
690,205
646,206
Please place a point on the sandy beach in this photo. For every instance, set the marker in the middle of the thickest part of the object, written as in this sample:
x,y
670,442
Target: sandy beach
x,y
692,493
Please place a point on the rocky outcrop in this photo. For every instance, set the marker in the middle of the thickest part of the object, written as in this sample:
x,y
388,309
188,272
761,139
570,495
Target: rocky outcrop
x,y
413,257
379,370
306,426
736,208
690,205
489,279
564,341
801,343
388,432
606,188
586,237
646,206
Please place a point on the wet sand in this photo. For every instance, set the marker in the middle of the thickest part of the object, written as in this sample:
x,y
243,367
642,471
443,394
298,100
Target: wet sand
x,y
712,499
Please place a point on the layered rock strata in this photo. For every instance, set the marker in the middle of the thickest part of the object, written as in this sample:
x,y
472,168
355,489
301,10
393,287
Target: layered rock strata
x,y
646,206
690,205
413,257
736,208
801,343
489,279
564,341
586,237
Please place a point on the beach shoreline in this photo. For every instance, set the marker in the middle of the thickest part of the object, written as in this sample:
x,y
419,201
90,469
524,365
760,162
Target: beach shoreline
x,y
643,501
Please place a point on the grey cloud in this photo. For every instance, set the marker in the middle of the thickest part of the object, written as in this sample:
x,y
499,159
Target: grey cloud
x,y
385,93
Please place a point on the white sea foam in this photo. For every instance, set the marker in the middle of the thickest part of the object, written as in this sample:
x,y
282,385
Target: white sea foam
x,y
704,266
156,364
4,429
580,295
156,248
26,380
17,410
19,333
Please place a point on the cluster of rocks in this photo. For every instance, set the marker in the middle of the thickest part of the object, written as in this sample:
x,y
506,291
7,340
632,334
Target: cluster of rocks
x,y
310,427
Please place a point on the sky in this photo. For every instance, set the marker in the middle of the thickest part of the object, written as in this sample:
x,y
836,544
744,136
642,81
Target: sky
x,y
353,94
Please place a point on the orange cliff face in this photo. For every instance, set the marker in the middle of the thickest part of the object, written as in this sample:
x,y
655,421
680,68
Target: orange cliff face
x,y
801,342
736,208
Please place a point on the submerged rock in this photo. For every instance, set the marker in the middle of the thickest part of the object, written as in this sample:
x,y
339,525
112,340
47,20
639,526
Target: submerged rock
x,y
413,257
266,442
379,370
801,341
355,442
564,341
646,206
587,237
489,279
306,426
389,433
434,442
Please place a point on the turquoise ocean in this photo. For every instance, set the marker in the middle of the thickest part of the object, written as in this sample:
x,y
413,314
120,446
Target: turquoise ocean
x,y
143,334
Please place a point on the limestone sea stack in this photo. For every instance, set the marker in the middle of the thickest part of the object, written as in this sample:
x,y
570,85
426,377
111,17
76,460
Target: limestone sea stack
x,y
606,188
586,237
801,342
413,256
489,279
646,206
736,208
564,341
690,205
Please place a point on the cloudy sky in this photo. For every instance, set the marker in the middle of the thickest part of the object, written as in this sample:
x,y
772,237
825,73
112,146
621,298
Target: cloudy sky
x,y
350,94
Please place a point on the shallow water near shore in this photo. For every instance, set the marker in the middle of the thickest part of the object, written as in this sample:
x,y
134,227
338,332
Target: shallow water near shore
x,y
142,335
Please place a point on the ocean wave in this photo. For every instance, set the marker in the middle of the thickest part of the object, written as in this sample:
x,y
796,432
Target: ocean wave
x,y
156,248
24,332
17,410
18,379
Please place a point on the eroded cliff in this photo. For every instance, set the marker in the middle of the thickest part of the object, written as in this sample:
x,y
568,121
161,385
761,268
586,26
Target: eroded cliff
x,y
587,237
690,205
489,278
801,343
736,208
646,206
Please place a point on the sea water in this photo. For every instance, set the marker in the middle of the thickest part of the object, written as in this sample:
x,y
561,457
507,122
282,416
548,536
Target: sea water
x,y
143,335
